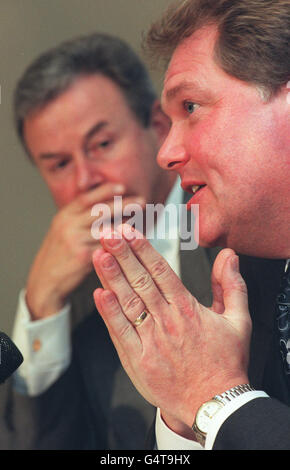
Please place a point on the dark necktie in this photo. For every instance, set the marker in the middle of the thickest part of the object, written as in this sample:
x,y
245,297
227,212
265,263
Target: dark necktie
x,y
283,318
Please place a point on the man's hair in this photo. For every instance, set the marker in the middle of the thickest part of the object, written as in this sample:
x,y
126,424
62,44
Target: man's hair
x,y
56,70
253,40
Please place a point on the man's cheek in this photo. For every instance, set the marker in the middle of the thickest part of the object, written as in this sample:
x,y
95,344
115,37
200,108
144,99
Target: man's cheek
x,y
62,196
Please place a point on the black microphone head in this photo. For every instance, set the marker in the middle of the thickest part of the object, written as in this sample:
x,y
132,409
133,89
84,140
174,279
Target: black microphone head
x,y
10,357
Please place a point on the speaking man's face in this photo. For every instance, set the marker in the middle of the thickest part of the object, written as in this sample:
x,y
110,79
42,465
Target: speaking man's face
x,y
88,136
230,148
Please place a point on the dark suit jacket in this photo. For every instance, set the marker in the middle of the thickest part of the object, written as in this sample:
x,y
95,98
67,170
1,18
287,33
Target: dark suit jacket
x,y
263,423
93,405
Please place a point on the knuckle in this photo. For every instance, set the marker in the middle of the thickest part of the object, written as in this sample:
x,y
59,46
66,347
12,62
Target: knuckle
x,y
238,285
159,268
131,303
140,244
187,304
114,273
142,282
125,331
242,286
123,252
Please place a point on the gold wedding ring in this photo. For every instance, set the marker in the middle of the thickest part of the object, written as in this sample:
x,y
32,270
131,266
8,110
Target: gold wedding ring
x,y
140,319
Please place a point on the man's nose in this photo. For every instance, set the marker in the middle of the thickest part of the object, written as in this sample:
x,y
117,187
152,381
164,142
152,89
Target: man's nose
x,y
87,176
172,155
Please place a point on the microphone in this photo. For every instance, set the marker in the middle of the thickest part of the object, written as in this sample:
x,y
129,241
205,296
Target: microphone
x,y
10,357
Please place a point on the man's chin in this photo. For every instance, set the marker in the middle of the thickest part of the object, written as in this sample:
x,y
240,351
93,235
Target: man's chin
x,y
210,240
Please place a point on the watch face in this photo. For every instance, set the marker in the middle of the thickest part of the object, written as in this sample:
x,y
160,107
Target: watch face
x,y
206,413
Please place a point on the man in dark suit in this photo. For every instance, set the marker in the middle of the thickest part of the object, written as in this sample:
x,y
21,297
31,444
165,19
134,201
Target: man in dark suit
x,y
88,116
226,93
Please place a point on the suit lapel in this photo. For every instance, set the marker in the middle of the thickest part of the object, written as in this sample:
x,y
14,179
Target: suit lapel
x,y
262,278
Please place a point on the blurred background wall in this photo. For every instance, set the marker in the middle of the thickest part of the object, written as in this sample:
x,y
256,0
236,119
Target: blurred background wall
x,y
27,28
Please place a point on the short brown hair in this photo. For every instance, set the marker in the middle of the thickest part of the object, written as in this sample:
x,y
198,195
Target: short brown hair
x,y
253,41
52,73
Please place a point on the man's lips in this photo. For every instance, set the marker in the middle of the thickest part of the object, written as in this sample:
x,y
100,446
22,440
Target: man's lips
x,y
193,188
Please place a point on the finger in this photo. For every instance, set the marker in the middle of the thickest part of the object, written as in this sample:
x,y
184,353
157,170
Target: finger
x,y
163,275
123,334
101,307
102,193
129,301
234,286
95,259
216,276
117,207
138,277
235,295
112,211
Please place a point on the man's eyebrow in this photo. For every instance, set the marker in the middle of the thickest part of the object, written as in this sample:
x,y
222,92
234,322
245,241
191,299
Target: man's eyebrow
x,y
186,86
52,155
94,130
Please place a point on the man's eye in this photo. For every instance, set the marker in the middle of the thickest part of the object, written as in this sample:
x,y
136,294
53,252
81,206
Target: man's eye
x,y
61,164
190,107
105,143
94,148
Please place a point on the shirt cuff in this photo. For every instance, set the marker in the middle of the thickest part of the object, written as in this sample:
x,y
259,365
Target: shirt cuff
x,y
228,410
166,439
45,345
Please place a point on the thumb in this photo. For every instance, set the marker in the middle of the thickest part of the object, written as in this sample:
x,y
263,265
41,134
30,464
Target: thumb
x,y
228,287
216,280
235,294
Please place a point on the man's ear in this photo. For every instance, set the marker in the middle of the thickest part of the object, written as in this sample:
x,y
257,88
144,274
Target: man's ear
x,y
160,123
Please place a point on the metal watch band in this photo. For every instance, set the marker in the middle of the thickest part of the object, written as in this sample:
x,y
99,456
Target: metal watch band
x,y
233,393
224,399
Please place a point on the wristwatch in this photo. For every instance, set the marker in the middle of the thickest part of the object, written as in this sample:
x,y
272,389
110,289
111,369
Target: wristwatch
x,y
209,410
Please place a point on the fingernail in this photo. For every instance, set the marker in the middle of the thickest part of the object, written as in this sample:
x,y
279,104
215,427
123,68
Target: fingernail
x,y
140,200
235,263
119,188
113,242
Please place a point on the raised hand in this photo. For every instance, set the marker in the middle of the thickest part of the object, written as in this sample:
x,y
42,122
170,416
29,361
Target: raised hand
x,y
182,353
65,256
